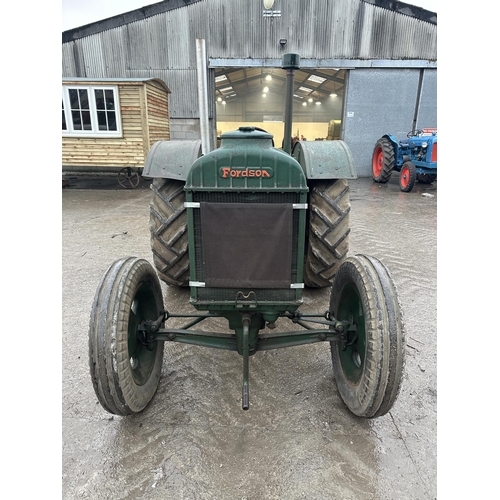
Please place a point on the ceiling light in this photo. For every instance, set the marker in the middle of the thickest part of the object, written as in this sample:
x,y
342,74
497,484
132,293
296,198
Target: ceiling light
x,y
310,99
219,99
304,104
223,102
269,78
266,89
317,102
317,79
305,89
333,95
264,95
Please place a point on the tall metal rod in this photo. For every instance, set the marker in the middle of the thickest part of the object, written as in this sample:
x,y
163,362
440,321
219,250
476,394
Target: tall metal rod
x,y
287,146
417,102
201,61
290,62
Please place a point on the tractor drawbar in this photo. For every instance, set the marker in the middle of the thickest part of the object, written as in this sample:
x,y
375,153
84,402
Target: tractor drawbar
x,y
245,402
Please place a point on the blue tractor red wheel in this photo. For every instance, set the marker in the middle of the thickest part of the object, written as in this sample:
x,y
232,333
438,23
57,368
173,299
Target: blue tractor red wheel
x,y
408,176
382,160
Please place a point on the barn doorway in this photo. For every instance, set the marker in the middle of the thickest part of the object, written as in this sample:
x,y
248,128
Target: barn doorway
x,y
256,97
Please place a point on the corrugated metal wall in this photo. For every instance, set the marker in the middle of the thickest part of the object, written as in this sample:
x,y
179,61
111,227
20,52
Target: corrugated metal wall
x,y
163,46
383,101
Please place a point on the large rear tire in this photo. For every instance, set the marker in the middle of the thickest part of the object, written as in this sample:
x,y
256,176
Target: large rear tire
x,y
328,231
382,160
169,234
369,369
125,372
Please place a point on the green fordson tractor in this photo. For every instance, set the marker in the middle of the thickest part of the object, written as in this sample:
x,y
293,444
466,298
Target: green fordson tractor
x,y
247,227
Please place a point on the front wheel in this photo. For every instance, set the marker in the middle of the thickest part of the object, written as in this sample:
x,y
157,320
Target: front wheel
x,y
368,367
408,176
125,370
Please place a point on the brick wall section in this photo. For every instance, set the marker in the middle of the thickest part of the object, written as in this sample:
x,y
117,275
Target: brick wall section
x,y
184,129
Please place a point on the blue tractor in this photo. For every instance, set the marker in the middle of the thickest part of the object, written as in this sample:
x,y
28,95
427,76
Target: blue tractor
x,y
415,158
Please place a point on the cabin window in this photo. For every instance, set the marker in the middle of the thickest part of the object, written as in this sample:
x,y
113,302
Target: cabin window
x,y
64,126
90,111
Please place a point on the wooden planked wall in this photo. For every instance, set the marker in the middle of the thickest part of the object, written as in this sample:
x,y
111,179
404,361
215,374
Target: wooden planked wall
x,y
157,113
145,120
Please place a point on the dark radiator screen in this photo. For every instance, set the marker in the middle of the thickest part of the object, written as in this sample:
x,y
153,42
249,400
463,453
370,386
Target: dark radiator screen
x,y
247,245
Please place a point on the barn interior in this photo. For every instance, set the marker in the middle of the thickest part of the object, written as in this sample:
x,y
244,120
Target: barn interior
x,y
255,97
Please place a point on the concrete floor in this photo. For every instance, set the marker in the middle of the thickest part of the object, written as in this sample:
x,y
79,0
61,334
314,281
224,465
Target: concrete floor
x,y
298,440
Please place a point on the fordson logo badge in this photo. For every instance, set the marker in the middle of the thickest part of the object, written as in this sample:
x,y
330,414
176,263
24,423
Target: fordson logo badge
x,y
226,172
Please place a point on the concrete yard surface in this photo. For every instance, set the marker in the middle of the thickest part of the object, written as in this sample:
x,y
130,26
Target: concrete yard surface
x,y
298,440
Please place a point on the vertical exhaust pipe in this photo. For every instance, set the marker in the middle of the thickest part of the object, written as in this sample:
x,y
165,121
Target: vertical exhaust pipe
x,y
201,63
290,62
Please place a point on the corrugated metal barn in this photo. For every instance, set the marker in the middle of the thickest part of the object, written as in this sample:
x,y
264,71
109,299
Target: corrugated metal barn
x,y
367,66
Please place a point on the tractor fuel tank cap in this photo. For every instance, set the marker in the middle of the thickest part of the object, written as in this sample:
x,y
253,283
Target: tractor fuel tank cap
x,y
246,132
264,138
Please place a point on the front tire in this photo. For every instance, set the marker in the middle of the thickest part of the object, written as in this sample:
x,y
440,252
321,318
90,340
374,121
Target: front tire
x,y
125,373
328,231
368,372
408,176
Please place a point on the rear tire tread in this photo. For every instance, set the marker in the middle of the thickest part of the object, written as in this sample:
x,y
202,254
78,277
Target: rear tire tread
x,y
169,234
328,231
389,157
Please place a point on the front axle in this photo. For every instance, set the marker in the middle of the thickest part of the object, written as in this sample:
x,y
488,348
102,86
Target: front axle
x,y
246,339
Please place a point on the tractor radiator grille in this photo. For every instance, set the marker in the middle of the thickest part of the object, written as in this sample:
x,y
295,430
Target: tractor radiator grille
x,y
229,294
245,197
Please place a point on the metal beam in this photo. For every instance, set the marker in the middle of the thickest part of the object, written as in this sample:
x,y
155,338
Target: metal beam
x,y
324,63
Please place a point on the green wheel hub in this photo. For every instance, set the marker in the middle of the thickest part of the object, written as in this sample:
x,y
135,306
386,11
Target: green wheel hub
x,y
142,357
352,357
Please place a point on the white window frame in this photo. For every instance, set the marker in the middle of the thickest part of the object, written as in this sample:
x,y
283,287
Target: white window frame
x,y
94,132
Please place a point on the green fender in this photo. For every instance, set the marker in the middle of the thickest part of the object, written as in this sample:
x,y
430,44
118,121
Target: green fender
x,y
325,159
171,159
